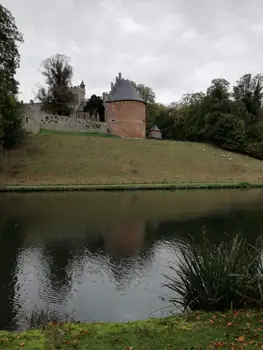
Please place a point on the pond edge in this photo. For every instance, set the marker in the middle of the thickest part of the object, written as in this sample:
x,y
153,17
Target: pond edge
x,y
131,187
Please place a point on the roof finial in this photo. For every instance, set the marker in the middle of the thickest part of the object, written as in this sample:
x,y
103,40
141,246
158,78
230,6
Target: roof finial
x,y
82,85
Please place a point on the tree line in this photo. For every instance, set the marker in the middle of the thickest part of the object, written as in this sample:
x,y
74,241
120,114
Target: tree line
x,y
228,118
231,119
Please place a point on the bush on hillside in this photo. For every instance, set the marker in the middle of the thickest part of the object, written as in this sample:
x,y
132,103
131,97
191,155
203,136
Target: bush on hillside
x,y
217,277
11,122
229,132
254,149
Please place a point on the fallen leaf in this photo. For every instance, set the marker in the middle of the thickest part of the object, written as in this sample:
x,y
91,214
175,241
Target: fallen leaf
x,y
218,344
229,324
241,338
214,317
22,344
211,321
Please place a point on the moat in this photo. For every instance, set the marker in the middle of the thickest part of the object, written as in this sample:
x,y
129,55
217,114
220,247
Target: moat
x,y
101,256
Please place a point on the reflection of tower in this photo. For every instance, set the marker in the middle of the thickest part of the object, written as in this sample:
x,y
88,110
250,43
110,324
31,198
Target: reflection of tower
x,y
125,244
11,238
125,239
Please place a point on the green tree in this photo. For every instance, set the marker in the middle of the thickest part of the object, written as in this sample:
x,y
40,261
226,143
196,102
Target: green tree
x,y
10,118
10,37
95,106
57,97
219,89
249,90
145,92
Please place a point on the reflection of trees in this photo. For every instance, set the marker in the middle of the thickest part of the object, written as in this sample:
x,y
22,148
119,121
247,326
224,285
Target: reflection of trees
x,y
58,257
11,239
247,222
126,269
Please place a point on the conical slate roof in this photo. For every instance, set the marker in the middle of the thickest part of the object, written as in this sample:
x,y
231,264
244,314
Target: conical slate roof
x,y
155,128
124,91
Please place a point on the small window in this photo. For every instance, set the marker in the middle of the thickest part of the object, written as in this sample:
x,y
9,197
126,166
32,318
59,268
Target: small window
x,y
26,119
113,120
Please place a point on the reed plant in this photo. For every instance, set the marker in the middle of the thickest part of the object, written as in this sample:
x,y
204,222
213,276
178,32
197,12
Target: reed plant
x,y
217,277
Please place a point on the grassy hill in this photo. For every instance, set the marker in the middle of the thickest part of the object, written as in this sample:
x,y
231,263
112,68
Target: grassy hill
x,y
82,159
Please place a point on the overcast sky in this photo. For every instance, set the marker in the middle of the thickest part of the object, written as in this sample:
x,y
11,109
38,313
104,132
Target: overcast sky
x,y
173,46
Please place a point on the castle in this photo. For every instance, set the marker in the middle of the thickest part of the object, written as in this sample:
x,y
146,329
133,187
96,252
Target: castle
x,y
125,113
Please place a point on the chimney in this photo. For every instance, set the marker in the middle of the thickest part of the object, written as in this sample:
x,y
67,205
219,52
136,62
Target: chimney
x,y
32,102
120,77
117,80
111,87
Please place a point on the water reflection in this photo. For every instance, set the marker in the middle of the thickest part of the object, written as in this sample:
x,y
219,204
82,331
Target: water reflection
x,y
100,256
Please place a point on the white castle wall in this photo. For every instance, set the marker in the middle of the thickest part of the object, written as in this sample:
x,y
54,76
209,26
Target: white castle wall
x,y
35,119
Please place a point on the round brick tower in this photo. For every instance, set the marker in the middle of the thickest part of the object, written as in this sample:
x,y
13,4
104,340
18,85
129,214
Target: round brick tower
x,y
126,111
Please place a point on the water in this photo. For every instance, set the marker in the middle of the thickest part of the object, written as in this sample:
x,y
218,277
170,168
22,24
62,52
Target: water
x,y
101,256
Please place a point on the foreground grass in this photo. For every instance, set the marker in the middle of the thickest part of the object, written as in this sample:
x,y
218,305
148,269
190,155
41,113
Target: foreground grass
x,y
55,159
232,330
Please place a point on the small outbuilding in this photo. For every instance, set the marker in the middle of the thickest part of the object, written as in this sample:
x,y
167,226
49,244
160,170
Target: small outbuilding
x,y
155,133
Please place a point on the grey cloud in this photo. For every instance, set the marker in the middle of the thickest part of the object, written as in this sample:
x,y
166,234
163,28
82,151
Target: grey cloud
x,y
173,46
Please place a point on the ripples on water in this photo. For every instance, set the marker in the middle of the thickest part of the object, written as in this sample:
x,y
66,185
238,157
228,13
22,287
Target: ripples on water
x,y
102,257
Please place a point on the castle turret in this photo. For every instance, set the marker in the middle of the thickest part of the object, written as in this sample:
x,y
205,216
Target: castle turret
x,y
126,111
82,92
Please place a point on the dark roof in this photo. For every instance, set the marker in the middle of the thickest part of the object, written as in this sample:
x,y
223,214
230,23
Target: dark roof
x,y
124,91
155,128
82,85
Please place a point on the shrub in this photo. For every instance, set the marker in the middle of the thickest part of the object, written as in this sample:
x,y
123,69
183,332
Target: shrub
x,y
214,277
255,131
229,132
11,122
254,149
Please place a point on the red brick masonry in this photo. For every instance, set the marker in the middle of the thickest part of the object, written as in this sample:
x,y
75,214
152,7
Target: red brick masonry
x,y
127,118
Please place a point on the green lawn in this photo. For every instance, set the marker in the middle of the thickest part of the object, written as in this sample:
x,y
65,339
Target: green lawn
x,y
232,330
69,159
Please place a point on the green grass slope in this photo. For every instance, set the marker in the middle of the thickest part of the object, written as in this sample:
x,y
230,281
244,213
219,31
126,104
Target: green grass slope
x,y
82,159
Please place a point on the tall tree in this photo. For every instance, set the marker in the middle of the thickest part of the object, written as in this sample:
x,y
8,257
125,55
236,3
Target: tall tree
x,y
145,92
249,90
10,119
95,106
57,97
10,37
219,89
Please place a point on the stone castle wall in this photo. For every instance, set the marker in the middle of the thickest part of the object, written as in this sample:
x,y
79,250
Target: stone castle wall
x,y
35,119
